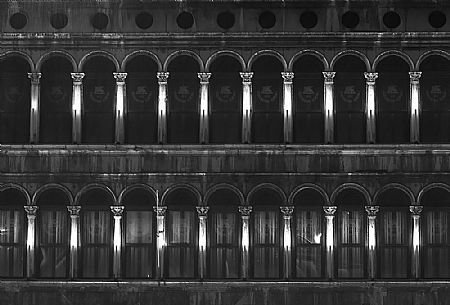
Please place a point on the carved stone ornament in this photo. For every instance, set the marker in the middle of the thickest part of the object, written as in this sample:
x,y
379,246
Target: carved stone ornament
x,y
162,77
160,211
204,77
120,77
31,209
287,76
246,76
117,210
416,209
372,210
74,210
328,76
370,77
415,76
77,77
287,210
35,77
245,210
329,210
202,211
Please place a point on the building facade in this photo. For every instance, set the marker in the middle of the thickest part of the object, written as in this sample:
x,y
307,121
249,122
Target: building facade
x,y
225,152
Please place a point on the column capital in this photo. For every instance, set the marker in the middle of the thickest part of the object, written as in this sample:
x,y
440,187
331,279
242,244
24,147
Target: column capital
x,y
416,209
328,76
329,210
77,77
287,211
35,77
414,76
160,210
245,210
372,210
31,210
287,77
246,76
204,77
74,210
162,77
120,77
370,77
117,210
202,211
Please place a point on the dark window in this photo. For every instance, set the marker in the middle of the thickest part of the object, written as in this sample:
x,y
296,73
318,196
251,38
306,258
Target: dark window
x,y
391,20
18,21
350,19
308,19
225,20
437,19
144,20
267,20
185,20
100,21
58,20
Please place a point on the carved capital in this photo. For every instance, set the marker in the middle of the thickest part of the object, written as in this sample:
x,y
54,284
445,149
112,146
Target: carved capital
x,y
202,211
372,210
204,77
117,210
35,77
414,77
329,210
416,209
246,76
328,76
287,211
74,210
31,210
160,211
77,77
120,77
287,76
245,210
162,77
371,77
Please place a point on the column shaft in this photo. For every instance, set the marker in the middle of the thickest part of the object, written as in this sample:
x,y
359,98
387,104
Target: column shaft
x,y
74,212
117,239
415,214
202,227
34,111
246,105
204,106
415,97
162,106
31,211
287,105
120,106
329,216
160,239
371,253
245,240
287,212
77,96
329,108
370,106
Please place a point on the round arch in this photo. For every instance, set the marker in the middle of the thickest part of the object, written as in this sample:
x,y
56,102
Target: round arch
x,y
353,186
101,54
427,54
271,186
272,53
230,53
305,186
397,186
49,186
20,188
56,53
182,186
189,53
129,188
397,53
222,186
23,55
93,186
302,53
436,185
134,54
351,53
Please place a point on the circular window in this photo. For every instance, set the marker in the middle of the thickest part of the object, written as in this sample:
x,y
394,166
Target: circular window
x,y
267,20
58,20
350,19
18,21
437,19
391,20
308,19
225,20
100,21
185,20
144,20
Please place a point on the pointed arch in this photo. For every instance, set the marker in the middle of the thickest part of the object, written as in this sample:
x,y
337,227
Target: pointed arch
x,y
397,186
230,53
356,53
182,186
225,186
56,53
99,53
272,53
147,53
305,186
314,53
49,186
88,187
397,53
353,186
23,55
271,186
129,188
189,53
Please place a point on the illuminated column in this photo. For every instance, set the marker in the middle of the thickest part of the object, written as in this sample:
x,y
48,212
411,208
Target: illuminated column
x,y
162,105
415,96
245,211
77,96
287,239
31,235
372,211
287,106
204,83
202,218
74,212
120,101
117,211
329,215
328,91
416,210
370,102
34,116
246,105
160,239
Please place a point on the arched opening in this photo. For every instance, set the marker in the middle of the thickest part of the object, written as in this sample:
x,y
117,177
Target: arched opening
x,y
394,259
15,102
141,121
56,101
98,109
52,258
436,233
351,237
96,233
181,235
224,235
308,103
434,88
184,107
393,119
350,100
309,234
225,101
267,117
139,233
12,228
265,236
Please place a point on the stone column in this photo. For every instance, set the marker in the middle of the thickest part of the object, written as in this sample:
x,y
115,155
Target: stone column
x,y
31,211
120,105
160,239
77,96
162,106
34,115
329,106
74,212
287,212
415,97
204,106
117,240
245,240
202,219
246,105
329,216
287,105
372,211
415,213
370,106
